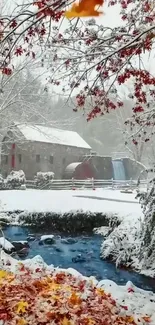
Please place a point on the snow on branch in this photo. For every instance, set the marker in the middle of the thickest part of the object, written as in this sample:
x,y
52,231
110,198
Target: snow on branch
x,y
88,59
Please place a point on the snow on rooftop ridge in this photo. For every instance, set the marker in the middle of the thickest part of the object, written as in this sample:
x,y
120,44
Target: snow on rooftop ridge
x,y
48,134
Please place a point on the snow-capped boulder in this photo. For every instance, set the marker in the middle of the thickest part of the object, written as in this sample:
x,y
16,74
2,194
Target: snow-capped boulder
x,y
47,239
19,245
6,245
31,238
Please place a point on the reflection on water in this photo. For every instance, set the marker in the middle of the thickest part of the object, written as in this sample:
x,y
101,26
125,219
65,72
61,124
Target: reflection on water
x,y
85,251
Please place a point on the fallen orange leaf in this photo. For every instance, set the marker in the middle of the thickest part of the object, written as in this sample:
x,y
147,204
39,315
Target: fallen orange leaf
x,y
91,321
21,321
21,307
147,319
130,319
74,299
85,8
4,275
100,291
66,321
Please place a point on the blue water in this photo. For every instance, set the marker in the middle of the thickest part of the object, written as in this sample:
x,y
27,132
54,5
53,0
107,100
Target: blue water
x,y
61,254
118,170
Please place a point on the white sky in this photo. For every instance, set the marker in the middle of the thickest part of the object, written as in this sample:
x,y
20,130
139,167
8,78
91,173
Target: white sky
x,y
111,18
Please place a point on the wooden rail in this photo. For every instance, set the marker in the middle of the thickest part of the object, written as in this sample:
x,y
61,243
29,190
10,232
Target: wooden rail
x,y
73,184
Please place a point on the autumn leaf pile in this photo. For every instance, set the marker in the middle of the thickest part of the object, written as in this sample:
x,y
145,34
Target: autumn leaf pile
x,y
41,298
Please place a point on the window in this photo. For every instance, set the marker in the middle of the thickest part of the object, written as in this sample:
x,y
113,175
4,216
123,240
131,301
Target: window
x,y
64,161
5,159
37,158
20,158
51,159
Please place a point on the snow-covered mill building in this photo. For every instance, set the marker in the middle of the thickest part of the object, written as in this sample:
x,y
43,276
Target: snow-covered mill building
x,y
34,148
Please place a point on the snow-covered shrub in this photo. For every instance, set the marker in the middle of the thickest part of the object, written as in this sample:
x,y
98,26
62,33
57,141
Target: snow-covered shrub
x,y
132,243
147,251
122,245
15,179
23,187
2,183
42,179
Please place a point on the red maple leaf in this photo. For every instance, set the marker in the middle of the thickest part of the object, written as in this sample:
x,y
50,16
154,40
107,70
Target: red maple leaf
x,y
13,24
130,290
125,307
19,51
22,268
7,71
39,4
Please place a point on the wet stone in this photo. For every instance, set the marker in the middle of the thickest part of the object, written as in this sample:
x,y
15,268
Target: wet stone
x,y
20,245
23,252
30,238
49,241
69,241
58,249
79,259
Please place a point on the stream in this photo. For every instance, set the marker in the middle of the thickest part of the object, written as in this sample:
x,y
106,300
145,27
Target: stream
x,y
81,253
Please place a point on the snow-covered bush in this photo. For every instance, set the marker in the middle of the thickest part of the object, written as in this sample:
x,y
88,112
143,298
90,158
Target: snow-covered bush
x,y
132,243
42,179
15,179
2,183
122,244
147,250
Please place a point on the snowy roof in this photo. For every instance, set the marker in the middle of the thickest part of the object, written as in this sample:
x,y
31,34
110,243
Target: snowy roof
x,y
46,134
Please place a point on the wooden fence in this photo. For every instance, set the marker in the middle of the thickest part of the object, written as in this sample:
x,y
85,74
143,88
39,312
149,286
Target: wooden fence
x,y
73,184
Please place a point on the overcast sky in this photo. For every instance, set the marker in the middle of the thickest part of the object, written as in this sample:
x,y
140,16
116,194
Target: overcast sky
x,y
111,18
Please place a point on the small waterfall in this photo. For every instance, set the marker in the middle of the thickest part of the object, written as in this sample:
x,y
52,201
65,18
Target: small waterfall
x,y
118,170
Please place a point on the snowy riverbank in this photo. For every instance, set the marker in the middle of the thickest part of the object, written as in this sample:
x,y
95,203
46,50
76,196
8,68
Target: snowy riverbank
x,y
120,245
75,298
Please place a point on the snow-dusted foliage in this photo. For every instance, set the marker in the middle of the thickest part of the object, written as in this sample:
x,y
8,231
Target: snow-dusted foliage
x,y
2,184
123,243
147,249
15,179
132,243
42,179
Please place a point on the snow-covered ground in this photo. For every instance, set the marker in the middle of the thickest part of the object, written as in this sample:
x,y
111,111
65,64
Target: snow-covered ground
x,y
131,300
64,201
123,243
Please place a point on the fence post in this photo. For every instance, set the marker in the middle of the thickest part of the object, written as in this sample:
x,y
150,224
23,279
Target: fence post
x,y
93,187
112,183
130,183
73,185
